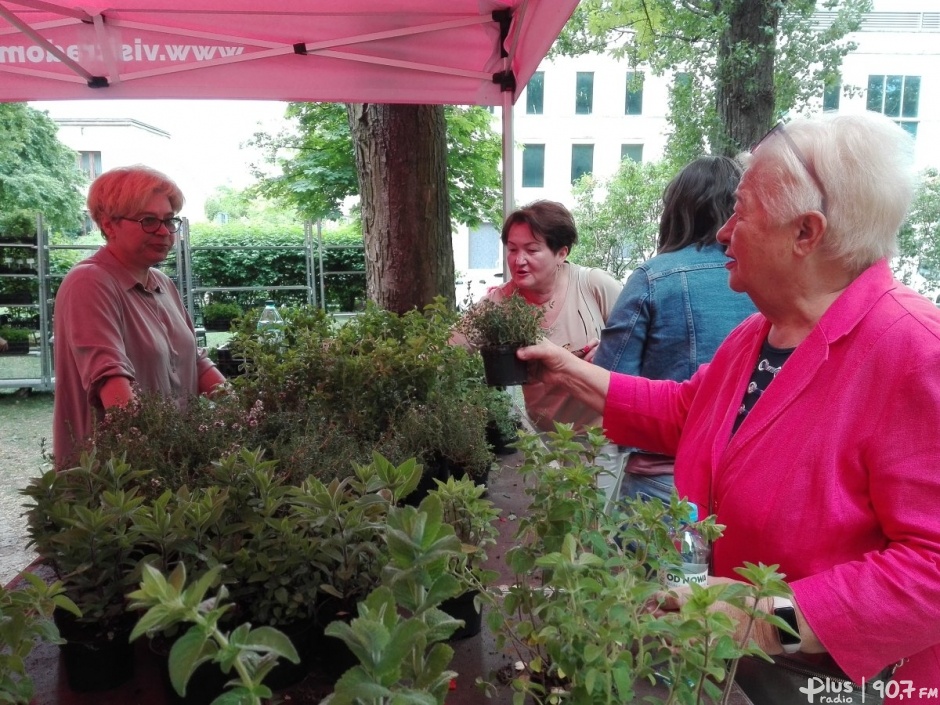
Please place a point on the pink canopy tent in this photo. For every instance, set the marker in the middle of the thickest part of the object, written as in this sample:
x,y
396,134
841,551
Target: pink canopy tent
x,y
464,52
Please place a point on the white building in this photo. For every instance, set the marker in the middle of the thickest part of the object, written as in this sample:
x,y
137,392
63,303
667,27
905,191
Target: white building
x,y
584,114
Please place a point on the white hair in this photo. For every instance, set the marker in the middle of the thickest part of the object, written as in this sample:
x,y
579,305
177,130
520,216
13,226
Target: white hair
x,y
865,164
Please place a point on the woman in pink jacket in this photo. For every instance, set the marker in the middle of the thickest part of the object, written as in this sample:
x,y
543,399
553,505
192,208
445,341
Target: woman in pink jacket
x,y
814,433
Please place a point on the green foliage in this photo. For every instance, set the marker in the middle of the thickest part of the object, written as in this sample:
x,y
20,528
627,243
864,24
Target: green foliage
x,y
591,627
17,224
918,263
26,619
282,264
251,653
471,516
510,321
397,635
37,172
318,172
14,335
618,219
82,522
221,312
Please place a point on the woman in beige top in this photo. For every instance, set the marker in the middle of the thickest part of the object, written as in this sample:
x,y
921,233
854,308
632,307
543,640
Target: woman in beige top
x,y
577,300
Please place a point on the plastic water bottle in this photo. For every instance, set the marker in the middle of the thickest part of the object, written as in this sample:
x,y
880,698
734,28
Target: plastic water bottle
x,y
694,551
270,324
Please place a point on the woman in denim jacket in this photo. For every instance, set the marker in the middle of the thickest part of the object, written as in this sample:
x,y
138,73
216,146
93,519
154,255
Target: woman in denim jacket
x,y
676,308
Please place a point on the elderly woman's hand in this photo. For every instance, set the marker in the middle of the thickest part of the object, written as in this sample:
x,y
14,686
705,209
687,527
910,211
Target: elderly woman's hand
x,y
552,364
762,633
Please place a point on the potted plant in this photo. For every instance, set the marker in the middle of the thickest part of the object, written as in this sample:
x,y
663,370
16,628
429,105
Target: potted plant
x,y
25,619
218,315
396,637
17,341
498,329
580,615
16,291
472,517
81,523
252,653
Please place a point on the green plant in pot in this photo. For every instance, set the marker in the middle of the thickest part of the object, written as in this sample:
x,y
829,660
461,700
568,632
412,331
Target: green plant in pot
x,y
498,329
81,522
249,654
17,340
347,520
473,518
397,634
219,315
25,620
581,615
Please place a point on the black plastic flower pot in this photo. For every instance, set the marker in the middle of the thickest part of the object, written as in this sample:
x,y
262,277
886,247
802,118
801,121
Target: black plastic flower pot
x,y
95,661
502,368
462,607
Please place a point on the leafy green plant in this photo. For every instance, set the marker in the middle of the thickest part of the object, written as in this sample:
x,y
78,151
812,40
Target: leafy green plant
x,y
81,521
510,321
589,626
16,225
220,314
399,629
473,518
25,619
250,652
14,335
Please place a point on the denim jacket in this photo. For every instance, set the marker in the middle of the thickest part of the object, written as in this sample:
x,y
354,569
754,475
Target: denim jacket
x,y
672,314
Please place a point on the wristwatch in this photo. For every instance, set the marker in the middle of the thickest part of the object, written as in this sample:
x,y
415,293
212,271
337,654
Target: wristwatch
x,y
783,608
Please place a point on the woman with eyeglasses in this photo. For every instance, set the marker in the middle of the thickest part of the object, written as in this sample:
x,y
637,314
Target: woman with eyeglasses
x,y
120,325
812,433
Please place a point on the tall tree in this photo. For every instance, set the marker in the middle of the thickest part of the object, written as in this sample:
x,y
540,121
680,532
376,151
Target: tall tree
x,y
401,159
743,62
319,164
37,172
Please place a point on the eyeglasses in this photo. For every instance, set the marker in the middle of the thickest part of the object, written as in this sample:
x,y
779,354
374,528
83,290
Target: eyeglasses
x,y
150,224
807,165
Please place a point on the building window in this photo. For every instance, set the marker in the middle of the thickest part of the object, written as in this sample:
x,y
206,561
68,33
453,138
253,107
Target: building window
x,y
897,97
89,163
533,165
535,93
584,93
633,152
582,160
831,95
484,247
634,103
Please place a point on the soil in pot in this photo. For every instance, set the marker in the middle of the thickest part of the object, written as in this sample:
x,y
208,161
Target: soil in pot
x,y
95,661
502,368
19,347
462,607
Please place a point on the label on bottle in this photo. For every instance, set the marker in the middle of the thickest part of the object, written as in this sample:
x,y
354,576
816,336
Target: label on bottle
x,y
674,576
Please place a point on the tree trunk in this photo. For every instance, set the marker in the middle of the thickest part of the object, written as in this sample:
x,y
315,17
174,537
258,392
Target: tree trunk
x,y
745,86
401,161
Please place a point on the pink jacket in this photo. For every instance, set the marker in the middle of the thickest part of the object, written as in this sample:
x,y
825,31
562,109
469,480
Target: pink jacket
x,y
834,475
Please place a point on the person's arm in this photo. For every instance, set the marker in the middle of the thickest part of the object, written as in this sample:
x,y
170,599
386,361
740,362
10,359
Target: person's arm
x,y
115,391
3,344
556,366
211,380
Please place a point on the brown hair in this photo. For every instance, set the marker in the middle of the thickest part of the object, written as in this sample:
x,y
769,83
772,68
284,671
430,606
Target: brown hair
x,y
548,220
